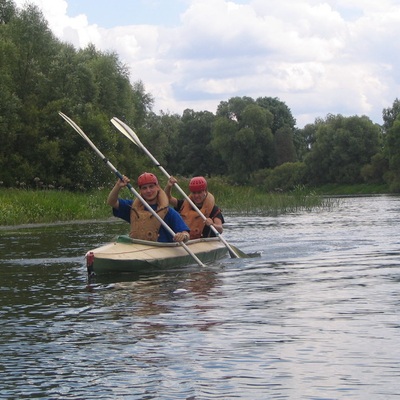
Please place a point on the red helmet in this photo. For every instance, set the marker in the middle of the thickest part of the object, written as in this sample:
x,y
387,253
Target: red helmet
x,y
197,184
147,178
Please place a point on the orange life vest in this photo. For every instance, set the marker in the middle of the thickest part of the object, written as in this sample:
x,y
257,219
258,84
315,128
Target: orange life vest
x,y
144,225
192,217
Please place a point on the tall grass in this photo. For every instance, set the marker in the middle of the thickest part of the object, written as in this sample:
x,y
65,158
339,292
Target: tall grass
x,y
254,200
31,206
19,206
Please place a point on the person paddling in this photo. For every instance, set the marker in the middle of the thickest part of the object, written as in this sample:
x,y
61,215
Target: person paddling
x,y
204,201
143,224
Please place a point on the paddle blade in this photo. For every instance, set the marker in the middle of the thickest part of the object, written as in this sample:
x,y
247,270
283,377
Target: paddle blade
x,y
74,125
126,131
241,254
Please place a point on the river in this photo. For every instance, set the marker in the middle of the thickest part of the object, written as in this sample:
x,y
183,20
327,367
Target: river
x,y
316,316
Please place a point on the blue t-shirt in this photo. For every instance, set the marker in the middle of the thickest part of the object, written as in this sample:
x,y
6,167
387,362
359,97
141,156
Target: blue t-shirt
x,y
172,219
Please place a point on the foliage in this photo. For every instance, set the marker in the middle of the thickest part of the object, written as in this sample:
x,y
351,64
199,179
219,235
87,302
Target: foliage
x,y
245,199
7,11
285,177
47,206
393,141
196,156
281,112
284,148
40,77
247,140
242,137
364,189
376,171
390,114
343,145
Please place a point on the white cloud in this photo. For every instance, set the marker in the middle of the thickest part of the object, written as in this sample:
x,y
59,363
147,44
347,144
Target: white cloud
x,y
337,56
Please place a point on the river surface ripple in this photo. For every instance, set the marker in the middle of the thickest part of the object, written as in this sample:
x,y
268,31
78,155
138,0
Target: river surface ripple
x,y
316,316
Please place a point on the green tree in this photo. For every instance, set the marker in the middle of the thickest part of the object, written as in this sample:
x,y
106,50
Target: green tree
x,y
285,151
284,177
242,137
393,150
7,11
342,147
233,108
376,171
36,45
390,115
304,138
196,155
281,112
40,76
160,134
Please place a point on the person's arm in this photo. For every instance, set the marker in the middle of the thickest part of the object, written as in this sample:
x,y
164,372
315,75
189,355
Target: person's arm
x,y
178,225
216,222
112,199
182,236
172,200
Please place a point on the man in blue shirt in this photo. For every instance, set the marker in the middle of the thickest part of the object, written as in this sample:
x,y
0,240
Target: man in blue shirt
x,y
143,223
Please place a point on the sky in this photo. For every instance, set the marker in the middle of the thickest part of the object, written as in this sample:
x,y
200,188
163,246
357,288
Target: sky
x,y
318,57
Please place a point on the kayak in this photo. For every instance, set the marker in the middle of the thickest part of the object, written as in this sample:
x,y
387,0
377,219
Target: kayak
x,y
130,255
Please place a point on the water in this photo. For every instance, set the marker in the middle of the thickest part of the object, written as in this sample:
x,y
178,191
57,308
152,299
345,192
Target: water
x,y
317,316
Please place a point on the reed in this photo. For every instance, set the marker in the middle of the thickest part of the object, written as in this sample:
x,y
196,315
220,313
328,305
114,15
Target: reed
x,y
18,206
254,200
45,206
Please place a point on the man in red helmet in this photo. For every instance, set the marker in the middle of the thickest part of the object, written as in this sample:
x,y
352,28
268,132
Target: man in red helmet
x,y
143,223
204,201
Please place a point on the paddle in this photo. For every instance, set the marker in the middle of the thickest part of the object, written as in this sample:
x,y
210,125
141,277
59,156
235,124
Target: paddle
x,y
129,186
131,135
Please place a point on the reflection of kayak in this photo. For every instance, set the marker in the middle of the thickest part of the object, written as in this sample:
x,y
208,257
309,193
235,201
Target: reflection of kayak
x,y
129,255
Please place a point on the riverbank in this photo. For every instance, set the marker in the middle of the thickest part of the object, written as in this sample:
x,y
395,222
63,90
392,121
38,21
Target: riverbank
x,y
351,190
19,206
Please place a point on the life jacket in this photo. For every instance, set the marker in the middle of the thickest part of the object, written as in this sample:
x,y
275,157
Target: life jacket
x,y
193,218
144,225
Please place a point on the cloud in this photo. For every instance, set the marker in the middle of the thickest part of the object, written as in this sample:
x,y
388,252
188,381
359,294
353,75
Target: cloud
x,y
339,56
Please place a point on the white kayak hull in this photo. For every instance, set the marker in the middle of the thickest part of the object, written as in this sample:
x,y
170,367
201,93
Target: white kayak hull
x,y
131,255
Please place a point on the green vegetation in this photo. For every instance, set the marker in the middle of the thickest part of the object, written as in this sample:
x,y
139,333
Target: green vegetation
x,y
245,199
253,144
352,190
45,206
19,206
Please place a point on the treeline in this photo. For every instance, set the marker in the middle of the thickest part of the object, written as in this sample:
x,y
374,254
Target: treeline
x,y
247,141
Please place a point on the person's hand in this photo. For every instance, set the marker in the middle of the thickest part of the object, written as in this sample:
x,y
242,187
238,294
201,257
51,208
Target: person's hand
x,y
172,181
209,222
181,237
123,182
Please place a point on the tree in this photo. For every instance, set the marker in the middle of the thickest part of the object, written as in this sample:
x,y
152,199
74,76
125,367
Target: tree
x,y
285,151
197,157
393,141
36,45
376,171
390,115
304,139
242,137
7,11
233,108
342,147
281,112
40,76
160,136
285,177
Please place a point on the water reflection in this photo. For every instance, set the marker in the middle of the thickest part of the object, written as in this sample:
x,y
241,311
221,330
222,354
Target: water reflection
x,y
315,317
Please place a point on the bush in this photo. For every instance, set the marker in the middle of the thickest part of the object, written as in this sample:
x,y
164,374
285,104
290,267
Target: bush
x,y
284,178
